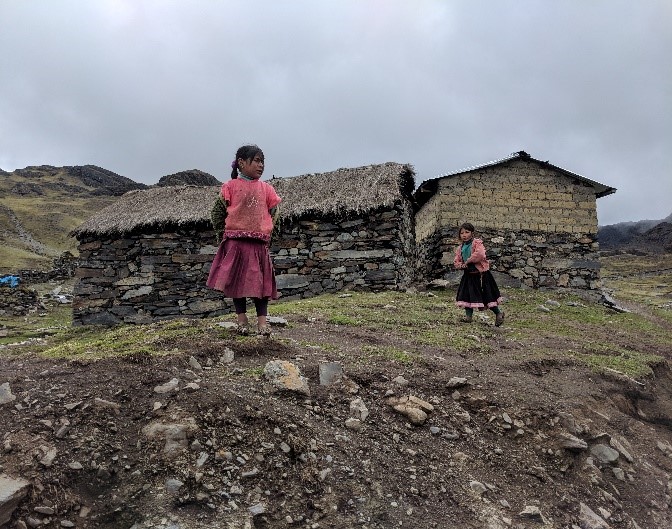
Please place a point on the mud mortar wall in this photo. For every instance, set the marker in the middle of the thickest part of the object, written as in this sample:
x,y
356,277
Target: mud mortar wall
x,y
520,196
531,259
145,277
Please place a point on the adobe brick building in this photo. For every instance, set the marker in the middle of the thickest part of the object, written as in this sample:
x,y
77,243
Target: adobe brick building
x,y
538,221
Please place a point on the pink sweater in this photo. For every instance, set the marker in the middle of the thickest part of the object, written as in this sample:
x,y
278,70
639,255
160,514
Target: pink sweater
x,y
478,257
247,208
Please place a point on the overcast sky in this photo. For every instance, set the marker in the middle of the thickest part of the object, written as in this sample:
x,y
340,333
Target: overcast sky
x,y
148,88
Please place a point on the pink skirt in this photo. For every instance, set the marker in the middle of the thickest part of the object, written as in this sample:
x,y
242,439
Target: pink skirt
x,y
242,268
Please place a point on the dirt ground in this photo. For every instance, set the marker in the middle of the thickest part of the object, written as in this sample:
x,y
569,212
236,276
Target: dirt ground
x,y
511,441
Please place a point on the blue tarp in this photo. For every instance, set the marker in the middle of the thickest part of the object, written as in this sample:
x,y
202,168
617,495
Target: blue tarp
x,y
10,281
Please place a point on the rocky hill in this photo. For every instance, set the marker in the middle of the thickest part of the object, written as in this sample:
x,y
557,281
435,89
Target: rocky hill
x,y
193,177
660,236
633,235
86,180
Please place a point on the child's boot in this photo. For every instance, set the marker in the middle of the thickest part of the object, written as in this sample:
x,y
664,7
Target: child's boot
x,y
499,318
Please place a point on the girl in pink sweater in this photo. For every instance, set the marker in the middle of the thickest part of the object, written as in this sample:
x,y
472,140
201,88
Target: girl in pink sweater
x,y
242,267
478,288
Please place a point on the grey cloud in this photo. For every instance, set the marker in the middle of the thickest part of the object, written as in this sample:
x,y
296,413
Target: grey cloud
x,y
146,88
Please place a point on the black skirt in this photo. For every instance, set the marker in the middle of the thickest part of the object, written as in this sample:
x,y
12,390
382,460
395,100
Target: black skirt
x,y
478,291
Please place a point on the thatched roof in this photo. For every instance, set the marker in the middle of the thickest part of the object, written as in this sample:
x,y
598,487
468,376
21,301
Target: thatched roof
x,y
352,190
429,187
342,192
152,208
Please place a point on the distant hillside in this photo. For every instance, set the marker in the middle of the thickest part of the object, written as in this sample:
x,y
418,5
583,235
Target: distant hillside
x,y
86,180
640,234
193,177
40,205
661,236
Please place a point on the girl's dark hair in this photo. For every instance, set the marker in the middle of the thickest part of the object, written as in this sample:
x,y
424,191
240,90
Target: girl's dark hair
x,y
466,226
246,152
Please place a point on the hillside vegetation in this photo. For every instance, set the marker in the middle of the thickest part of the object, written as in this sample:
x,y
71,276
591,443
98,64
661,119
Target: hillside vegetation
x,y
39,206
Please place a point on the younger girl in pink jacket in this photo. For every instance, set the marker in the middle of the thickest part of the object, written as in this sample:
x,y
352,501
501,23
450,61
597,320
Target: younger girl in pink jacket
x,y
478,289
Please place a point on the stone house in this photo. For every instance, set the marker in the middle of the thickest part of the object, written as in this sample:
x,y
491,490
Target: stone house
x,y
146,256
346,229
538,222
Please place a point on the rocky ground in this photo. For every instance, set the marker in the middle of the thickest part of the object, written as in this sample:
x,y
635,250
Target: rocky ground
x,y
223,431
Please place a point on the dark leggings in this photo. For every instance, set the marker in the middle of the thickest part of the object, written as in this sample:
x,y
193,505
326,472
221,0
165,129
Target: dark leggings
x,y
260,304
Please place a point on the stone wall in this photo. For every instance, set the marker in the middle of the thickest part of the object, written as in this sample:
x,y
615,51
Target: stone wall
x,y
63,267
145,277
520,196
534,259
18,301
372,253
539,226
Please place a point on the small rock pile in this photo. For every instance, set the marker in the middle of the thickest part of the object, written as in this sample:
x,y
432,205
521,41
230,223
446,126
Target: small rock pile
x,y
19,301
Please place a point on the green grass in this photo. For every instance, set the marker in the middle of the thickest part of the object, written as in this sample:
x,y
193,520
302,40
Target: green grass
x,y
93,343
403,328
389,353
426,320
254,372
645,280
633,364
342,319
20,328
14,256
48,218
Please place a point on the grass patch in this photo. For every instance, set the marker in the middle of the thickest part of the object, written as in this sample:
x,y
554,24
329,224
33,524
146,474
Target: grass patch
x,y
342,319
630,363
20,328
423,320
254,372
96,343
601,358
397,327
644,279
389,353
629,264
